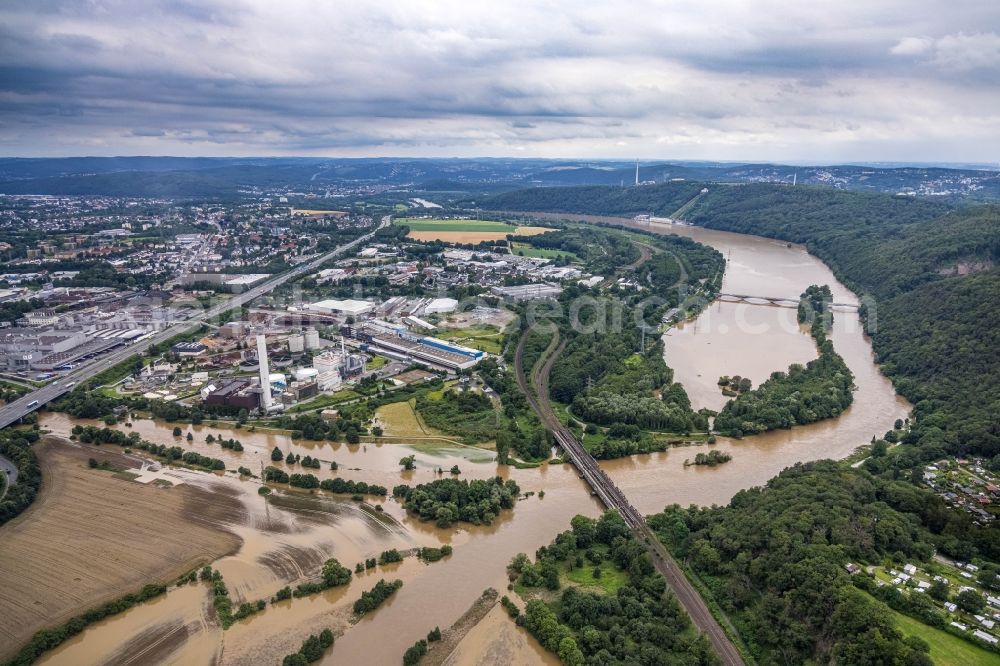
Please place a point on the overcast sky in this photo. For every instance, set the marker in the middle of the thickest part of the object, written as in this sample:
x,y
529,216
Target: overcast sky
x,y
816,81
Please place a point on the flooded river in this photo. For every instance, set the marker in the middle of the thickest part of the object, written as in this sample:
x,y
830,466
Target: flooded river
x,y
288,535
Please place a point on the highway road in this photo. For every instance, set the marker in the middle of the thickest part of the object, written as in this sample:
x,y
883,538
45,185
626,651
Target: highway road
x,y
26,404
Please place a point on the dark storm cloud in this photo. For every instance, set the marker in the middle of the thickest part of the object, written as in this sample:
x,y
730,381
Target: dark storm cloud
x,y
679,79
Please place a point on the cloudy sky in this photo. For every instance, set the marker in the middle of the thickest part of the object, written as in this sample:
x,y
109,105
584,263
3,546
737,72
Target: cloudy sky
x,y
817,81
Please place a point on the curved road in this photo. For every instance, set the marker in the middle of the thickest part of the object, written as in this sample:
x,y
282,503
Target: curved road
x,y
8,469
15,410
613,498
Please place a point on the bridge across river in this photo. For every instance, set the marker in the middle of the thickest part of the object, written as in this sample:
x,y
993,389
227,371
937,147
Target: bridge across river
x,y
613,498
779,301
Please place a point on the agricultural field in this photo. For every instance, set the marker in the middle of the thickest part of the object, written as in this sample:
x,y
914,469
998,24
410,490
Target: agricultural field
x,y
463,230
398,419
91,536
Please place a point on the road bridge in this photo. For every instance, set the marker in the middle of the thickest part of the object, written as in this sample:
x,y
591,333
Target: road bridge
x,y
13,411
780,301
613,498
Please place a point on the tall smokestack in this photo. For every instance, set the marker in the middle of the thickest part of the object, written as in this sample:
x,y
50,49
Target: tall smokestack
x,y
265,373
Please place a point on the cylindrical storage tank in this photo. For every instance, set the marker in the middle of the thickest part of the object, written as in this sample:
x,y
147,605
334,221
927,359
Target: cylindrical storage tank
x,y
277,381
312,339
305,374
296,343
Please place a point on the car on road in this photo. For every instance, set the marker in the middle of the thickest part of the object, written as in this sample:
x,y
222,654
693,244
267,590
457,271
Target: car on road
x,y
33,403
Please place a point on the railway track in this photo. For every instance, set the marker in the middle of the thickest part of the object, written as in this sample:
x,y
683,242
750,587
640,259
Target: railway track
x,y
613,498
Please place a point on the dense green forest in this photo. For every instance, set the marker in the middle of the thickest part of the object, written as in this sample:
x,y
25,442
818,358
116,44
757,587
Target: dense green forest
x,y
613,607
597,199
608,380
467,414
16,446
819,390
451,500
604,373
775,560
600,251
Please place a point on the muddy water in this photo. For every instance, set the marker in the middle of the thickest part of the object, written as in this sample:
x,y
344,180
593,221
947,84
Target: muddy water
x,y
288,535
722,341
753,341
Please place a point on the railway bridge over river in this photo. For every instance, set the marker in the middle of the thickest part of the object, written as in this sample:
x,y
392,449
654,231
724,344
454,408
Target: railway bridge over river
x,y
613,498
779,301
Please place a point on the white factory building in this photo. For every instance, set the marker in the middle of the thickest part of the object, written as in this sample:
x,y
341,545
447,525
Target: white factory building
x,y
441,305
346,307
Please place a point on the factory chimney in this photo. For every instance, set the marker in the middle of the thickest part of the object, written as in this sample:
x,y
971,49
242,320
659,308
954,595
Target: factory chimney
x,y
265,373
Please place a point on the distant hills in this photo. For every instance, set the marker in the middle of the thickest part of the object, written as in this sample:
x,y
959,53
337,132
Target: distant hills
x,y
237,177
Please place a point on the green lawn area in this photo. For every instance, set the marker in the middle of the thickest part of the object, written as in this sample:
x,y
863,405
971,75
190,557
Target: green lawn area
x,y
488,345
611,578
946,650
438,224
439,393
483,338
376,363
325,401
544,253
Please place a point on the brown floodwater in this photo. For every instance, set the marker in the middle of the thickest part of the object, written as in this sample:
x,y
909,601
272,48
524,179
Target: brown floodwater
x,y
754,341
288,535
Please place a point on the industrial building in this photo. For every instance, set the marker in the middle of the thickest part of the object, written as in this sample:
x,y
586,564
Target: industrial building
x,y
188,349
405,346
298,391
347,307
296,343
312,338
234,329
24,349
234,393
527,292
441,305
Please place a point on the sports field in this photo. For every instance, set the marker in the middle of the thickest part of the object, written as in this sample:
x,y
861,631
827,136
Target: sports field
x,y
463,230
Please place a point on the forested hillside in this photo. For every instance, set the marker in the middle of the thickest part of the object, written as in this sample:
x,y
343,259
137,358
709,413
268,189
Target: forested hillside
x,y
930,272
598,199
775,558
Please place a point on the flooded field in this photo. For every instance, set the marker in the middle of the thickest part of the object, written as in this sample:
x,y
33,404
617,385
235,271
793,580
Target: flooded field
x,y
286,537
283,538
